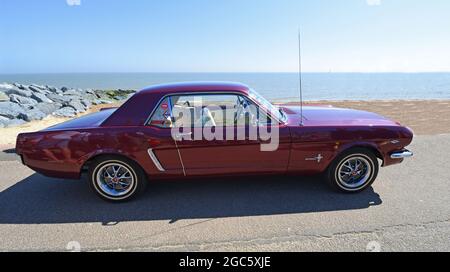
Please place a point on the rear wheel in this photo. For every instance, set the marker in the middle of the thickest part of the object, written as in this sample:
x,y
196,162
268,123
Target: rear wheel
x,y
116,179
353,171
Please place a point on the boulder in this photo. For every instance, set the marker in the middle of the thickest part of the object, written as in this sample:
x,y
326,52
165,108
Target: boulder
x,y
47,108
59,98
101,101
73,93
87,103
90,91
20,86
102,95
77,105
65,112
36,89
17,91
33,114
11,110
22,100
89,96
52,89
41,87
41,98
7,86
120,97
5,122
3,96
64,89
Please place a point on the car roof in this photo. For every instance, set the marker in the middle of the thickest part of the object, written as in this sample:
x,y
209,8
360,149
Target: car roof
x,y
204,86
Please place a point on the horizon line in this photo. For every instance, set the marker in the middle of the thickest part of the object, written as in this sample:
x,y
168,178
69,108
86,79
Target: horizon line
x,y
239,72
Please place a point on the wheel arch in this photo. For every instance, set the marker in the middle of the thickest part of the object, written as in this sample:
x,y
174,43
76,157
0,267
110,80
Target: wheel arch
x,y
368,146
88,162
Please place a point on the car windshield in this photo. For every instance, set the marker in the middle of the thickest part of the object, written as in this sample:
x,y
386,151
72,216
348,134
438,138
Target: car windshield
x,y
276,112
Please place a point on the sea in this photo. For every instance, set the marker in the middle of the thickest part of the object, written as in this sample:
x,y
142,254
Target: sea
x,y
273,86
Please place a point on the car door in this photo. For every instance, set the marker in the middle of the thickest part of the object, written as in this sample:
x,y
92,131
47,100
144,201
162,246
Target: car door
x,y
161,147
232,149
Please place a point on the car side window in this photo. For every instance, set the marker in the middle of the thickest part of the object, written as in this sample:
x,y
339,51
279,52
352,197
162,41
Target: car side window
x,y
255,116
204,110
208,110
162,114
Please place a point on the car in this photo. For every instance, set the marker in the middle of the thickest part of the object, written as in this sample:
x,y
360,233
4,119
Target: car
x,y
152,136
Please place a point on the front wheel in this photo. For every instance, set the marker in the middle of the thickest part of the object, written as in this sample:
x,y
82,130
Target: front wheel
x,y
353,171
116,179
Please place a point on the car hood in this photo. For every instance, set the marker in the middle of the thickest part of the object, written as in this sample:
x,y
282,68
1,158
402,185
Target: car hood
x,y
331,116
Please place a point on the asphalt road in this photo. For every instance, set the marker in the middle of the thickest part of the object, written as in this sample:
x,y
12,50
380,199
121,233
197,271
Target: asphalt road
x,y
408,209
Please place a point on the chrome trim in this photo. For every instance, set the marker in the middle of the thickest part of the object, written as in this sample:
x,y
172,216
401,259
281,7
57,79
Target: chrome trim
x,y
155,160
402,154
180,136
318,158
181,160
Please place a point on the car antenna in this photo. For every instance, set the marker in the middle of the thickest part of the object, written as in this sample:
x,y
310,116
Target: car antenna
x,y
300,76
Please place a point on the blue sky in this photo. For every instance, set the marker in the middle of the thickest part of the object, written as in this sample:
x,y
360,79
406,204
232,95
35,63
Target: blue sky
x,y
42,36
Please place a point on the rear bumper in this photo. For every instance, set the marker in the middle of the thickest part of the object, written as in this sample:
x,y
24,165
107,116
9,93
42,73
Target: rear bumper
x,y
402,154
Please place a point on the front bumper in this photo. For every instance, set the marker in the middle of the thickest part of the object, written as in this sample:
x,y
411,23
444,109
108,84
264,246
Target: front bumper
x,y
402,154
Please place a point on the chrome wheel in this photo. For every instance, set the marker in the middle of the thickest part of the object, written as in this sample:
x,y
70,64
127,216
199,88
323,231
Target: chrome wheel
x,y
115,179
354,172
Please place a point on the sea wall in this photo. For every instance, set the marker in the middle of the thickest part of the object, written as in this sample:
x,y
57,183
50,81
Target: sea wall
x,y
21,103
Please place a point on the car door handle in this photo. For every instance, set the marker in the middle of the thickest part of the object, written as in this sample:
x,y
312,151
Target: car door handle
x,y
179,136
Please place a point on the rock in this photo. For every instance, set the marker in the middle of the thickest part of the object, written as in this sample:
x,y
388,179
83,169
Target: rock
x,y
17,91
87,103
11,110
15,122
38,90
38,87
7,86
102,95
41,98
73,92
5,122
3,96
20,86
88,96
52,89
22,100
65,112
33,114
47,108
77,105
90,91
101,101
59,98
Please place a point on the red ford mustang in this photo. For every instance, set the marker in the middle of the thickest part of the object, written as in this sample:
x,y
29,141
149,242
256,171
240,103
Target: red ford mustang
x,y
122,148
